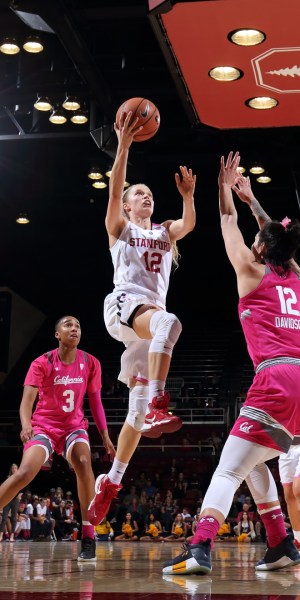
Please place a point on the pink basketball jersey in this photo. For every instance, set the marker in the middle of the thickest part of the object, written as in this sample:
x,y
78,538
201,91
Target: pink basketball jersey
x,y
270,317
62,388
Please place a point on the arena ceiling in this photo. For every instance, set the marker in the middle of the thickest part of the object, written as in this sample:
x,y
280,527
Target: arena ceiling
x,y
103,53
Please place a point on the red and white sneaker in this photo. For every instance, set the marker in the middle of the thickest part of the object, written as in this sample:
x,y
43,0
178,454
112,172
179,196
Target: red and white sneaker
x,y
106,491
158,419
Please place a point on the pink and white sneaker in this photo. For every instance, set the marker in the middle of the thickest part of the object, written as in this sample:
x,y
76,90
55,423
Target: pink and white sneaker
x,y
106,491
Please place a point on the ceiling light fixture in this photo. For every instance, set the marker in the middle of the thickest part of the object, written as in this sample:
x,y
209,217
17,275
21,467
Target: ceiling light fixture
x,y
225,73
79,117
9,46
71,103
126,184
33,44
57,117
241,169
43,103
22,219
99,185
247,37
262,102
264,178
108,173
95,174
257,169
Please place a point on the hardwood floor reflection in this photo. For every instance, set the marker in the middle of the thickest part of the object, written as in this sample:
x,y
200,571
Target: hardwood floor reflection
x,y
49,570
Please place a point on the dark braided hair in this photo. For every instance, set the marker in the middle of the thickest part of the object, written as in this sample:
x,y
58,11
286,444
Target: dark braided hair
x,y
281,242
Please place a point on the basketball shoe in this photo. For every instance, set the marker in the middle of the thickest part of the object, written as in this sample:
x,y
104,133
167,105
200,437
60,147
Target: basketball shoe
x,y
194,559
159,419
283,555
88,550
106,491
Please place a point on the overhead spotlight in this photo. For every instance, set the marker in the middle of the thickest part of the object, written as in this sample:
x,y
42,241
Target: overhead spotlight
x,y
99,185
262,102
126,184
95,174
9,46
247,37
43,103
257,169
33,44
22,219
71,103
241,169
225,73
79,117
57,117
264,178
108,173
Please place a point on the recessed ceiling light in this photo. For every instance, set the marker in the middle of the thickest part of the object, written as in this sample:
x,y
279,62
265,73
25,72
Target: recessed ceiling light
x,y
99,185
108,173
247,37
241,169
43,103
22,219
33,45
262,102
9,46
263,179
256,169
225,73
57,117
126,184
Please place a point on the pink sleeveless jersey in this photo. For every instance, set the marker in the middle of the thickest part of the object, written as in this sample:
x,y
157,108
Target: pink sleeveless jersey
x,y
62,388
270,317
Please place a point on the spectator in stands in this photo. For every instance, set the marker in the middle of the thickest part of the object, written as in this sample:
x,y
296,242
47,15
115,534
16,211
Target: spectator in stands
x,y
268,281
178,531
245,528
224,532
235,509
157,504
40,526
59,379
22,530
129,530
150,488
10,510
104,531
131,499
194,483
140,481
153,529
135,312
63,527
166,520
95,456
179,491
43,511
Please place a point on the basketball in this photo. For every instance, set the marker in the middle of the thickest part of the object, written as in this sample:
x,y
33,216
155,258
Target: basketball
x,y
147,113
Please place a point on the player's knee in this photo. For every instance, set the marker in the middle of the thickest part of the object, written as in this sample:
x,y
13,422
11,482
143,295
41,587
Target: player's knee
x,y
138,406
165,329
136,420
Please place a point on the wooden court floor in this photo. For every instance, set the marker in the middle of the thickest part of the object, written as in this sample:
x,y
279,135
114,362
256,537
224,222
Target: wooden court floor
x,y
132,570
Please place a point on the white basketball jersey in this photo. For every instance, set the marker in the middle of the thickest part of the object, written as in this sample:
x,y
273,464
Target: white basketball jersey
x,y
142,260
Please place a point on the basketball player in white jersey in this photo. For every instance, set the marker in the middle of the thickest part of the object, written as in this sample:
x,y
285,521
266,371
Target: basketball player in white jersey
x,y
135,312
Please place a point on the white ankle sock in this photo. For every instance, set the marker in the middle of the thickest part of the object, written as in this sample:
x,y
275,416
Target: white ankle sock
x,y
156,388
117,471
